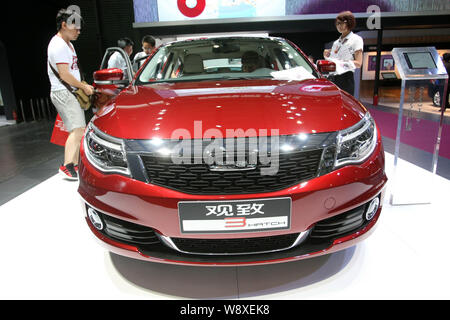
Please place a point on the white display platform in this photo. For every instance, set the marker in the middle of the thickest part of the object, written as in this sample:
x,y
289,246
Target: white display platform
x,y
407,189
48,252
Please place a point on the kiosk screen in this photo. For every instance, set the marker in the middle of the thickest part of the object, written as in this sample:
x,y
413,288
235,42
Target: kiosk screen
x,y
420,60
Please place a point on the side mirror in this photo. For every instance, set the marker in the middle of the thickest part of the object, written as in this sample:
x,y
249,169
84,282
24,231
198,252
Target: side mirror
x,y
326,66
113,76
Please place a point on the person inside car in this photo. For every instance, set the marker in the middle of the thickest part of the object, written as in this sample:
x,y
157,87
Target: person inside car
x,y
250,61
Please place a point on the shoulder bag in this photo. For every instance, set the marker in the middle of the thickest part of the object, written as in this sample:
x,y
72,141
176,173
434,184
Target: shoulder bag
x,y
84,100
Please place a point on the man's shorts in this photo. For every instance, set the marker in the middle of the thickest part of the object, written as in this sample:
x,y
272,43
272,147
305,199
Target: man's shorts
x,y
69,109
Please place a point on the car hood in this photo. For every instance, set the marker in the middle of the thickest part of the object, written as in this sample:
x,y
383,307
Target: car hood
x,y
248,107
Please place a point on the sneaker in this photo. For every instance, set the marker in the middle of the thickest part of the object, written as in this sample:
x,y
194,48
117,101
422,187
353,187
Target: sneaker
x,y
68,172
75,166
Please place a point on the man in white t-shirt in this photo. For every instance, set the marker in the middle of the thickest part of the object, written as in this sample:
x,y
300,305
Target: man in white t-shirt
x,y
346,52
62,59
116,60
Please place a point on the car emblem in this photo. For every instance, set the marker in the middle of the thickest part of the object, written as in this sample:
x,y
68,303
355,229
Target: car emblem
x,y
238,166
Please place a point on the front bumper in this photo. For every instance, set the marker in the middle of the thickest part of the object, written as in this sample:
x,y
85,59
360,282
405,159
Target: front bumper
x,y
327,216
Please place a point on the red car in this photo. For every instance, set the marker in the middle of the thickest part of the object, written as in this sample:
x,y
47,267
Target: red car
x,y
229,151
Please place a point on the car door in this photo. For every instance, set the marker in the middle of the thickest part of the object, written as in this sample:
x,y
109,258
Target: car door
x,y
115,74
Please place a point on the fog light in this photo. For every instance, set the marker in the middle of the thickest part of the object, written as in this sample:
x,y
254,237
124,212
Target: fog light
x,y
95,219
372,209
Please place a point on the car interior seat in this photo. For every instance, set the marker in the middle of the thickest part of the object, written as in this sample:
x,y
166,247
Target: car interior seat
x,y
193,64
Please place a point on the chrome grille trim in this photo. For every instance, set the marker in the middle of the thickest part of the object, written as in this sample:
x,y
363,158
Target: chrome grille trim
x,y
302,236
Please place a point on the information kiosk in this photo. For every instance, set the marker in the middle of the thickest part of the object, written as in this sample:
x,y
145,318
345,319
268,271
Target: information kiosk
x,y
419,127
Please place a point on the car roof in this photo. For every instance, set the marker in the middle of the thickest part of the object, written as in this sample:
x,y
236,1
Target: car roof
x,y
220,37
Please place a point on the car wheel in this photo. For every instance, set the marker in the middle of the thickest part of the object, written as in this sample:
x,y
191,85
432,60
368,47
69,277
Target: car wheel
x,y
437,99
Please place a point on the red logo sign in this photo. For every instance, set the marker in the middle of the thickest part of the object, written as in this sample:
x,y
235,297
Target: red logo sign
x,y
74,63
235,222
191,12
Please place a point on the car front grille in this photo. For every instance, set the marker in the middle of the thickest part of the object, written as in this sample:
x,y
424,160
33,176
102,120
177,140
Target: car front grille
x,y
235,246
145,238
293,168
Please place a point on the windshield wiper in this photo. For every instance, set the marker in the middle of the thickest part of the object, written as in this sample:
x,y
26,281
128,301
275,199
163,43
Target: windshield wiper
x,y
207,79
240,78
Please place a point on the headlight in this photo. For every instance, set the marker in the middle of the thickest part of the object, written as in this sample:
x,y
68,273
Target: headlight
x,y
104,152
356,143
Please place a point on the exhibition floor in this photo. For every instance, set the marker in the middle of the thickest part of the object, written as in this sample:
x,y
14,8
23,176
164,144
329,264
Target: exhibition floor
x,y
4,122
48,252
419,140
26,157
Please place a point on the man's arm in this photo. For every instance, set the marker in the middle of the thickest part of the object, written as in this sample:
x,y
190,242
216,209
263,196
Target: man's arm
x,y
64,73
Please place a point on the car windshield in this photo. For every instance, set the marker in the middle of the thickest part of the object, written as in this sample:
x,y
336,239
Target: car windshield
x,y
226,58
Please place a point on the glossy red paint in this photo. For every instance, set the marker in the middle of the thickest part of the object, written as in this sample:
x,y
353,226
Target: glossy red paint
x,y
154,206
114,194
326,66
108,74
338,244
256,106
157,110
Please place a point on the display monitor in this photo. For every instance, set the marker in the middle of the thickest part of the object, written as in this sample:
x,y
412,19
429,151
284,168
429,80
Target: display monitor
x,y
172,12
389,75
420,60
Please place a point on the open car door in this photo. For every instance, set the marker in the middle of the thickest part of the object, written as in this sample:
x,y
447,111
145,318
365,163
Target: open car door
x,y
115,74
